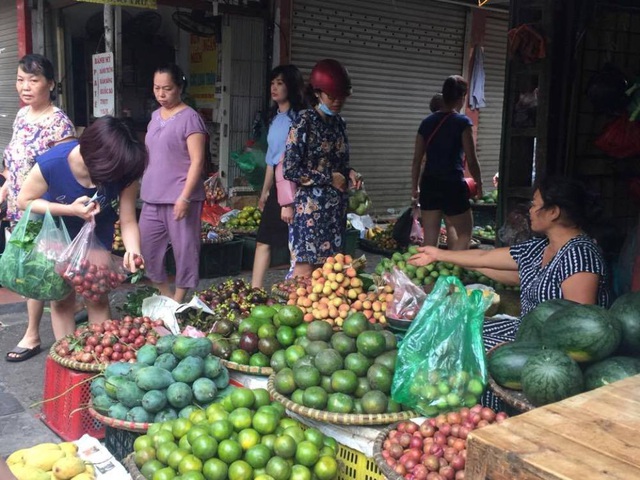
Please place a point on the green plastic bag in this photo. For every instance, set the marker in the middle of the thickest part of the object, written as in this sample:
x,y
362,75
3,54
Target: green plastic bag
x,y
441,362
27,266
252,164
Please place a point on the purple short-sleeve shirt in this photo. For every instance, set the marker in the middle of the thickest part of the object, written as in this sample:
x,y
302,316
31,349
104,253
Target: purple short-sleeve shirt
x,y
169,161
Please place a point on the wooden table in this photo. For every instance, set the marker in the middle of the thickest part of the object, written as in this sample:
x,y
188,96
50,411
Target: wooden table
x,y
594,435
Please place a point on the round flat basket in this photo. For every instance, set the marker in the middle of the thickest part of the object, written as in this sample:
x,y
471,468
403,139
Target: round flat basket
x,y
251,370
132,468
341,418
386,470
513,398
399,324
372,247
119,424
280,294
72,364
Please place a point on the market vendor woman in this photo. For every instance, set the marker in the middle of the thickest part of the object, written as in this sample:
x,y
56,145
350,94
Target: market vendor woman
x,y
561,261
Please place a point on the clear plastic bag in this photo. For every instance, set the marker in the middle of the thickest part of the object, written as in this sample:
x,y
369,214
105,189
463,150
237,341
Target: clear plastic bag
x,y
359,202
28,264
214,190
88,267
441,363
407,296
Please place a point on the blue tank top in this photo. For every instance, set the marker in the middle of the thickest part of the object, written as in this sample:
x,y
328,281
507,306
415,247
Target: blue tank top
x,y
65,189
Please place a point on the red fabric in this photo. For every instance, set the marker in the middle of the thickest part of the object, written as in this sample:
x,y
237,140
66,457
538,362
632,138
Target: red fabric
x,y
620,138
211,213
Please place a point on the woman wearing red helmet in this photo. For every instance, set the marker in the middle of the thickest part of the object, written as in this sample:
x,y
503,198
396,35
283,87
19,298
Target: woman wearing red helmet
x,y
444,136
317,160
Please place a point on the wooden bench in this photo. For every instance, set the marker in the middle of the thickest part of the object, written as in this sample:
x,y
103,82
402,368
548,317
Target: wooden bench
x,y
594,435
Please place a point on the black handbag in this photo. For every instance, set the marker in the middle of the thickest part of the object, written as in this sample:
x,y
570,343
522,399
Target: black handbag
x,y
402,228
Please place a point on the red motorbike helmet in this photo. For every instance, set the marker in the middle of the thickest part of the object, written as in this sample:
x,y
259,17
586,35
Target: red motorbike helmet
x,y
331,77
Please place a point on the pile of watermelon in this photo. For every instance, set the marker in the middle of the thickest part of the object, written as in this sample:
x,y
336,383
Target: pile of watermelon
x,y
564,348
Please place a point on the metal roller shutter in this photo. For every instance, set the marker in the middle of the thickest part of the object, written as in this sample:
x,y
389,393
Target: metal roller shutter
x,y
398,54
490,121
9,104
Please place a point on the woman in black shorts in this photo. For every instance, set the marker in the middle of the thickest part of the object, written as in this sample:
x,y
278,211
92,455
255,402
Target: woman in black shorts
x,y
445,137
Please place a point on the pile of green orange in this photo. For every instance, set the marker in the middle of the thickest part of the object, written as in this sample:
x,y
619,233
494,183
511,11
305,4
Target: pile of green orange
x,y
244,437
343,372
254,341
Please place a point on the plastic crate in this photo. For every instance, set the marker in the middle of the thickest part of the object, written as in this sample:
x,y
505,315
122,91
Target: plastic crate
x,y
216,259
279,256
356,466
66,395
119,442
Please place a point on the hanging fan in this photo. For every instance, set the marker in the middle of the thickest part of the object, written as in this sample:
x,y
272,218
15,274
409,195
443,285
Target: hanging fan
x,y
197,22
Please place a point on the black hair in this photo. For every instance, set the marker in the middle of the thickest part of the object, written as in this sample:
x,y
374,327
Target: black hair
x,y
454,88
176,74
579,206
111,152
292,78
310,95
436,102
36,64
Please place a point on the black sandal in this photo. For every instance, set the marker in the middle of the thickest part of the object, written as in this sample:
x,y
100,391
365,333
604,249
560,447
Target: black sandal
x,y
20,354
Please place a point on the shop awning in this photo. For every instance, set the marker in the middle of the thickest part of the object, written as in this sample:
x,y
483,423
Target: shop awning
x,y
125,3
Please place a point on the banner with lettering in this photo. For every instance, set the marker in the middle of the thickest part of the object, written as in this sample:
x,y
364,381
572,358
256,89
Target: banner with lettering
x,y
203,66
103,84
125,3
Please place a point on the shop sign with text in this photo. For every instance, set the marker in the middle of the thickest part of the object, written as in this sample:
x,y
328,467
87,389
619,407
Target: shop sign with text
x,y
125,3
103,84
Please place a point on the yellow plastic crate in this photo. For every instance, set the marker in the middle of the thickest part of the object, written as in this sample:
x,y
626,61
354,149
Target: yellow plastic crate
x,y
356,466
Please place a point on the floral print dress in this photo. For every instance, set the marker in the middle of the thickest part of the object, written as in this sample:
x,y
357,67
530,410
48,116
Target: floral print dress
x,y
316,148
30,140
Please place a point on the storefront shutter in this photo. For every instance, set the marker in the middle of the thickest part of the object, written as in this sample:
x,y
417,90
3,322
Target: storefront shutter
x,y
490,121
398,54
8,64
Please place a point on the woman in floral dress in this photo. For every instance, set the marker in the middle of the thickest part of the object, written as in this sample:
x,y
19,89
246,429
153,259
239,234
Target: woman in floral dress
x,y
38,126
317,160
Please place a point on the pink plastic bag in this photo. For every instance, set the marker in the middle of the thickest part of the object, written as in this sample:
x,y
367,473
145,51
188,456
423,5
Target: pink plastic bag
x,y
407,296
285,188
417,234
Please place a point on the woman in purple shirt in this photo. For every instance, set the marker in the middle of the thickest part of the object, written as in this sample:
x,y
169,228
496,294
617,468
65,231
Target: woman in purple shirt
x,y
172,188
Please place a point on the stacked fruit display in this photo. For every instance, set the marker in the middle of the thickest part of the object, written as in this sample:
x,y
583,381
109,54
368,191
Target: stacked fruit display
x,y
336,290
343,372
436,449
382,237
211,234
245,436
290,286
117,245
486,233
50,461
232,299
257,337
109,341
168,381
246,221
421,276
563,348
490,198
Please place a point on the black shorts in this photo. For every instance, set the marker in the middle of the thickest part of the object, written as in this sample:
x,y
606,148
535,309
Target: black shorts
x,y
449,196
272,230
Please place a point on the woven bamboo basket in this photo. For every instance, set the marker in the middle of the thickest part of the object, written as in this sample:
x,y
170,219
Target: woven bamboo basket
x,y
513,398
386,470
72,364
340,418
238,367
120,424
132,468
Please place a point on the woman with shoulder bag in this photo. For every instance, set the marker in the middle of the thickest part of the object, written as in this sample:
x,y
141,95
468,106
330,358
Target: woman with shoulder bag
x,y
446,138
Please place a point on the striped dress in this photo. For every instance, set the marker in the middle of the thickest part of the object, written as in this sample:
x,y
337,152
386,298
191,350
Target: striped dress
x,y
541,283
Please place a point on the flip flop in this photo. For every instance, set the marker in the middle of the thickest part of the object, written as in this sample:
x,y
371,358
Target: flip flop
x,y
21,354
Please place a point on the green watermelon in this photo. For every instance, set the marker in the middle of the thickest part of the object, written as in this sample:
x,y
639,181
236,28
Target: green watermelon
x,y
530,329
550,376
587,333
505,363
627,309
610,370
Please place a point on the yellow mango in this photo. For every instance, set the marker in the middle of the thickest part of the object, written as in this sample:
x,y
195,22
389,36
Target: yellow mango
x,y
44,459
16,457
69,448
68,467
84,476
25,472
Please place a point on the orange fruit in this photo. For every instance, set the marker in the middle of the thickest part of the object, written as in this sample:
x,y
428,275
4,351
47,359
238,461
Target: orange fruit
x,y
181,427
258,456
300,472
176,457
265,422
229,451
307,454
285,446
240,418
143,441
215,469
279,468
204,447
164,450
248,438
166,473
144,455
262,398
190,463
326,468
240,470
161,437
221,429
151,467
196,432
242,397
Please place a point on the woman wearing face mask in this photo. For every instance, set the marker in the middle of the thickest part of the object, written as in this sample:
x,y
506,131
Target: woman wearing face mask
x,y
38,126
317,160
172,189
286,92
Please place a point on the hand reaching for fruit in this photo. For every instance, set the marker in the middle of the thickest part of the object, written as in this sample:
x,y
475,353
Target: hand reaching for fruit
x,y
135,264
